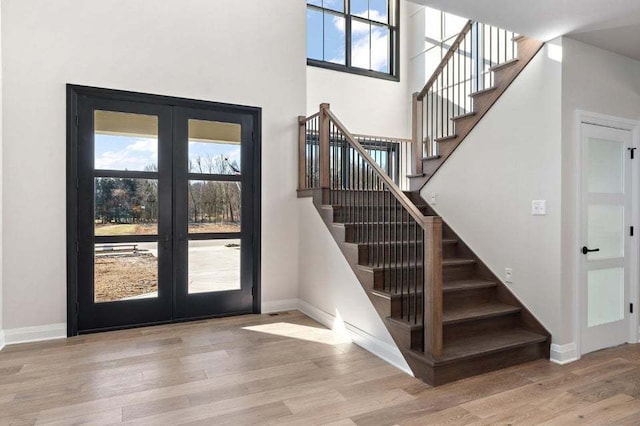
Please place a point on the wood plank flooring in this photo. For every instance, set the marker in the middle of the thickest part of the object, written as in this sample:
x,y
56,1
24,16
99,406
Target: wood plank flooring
x,y
289,370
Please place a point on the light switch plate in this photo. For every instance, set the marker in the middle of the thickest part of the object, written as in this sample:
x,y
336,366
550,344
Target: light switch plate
x,y
433,199
508,275
539,207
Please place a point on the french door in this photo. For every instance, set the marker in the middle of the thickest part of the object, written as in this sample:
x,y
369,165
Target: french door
x,y
164,208
605,220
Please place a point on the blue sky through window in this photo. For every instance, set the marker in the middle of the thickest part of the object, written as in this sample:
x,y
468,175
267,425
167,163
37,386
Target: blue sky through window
x,y
137,154
370,43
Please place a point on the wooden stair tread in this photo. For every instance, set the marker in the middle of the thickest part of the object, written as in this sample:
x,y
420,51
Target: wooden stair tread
x,y
461,116
405,324
504,64
483,91
431,157
446,138
462,285
447,241
486,343
477,312
457,262
445,263
414,176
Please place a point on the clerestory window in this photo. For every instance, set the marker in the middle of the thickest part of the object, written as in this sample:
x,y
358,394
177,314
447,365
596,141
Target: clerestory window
x,y
358,36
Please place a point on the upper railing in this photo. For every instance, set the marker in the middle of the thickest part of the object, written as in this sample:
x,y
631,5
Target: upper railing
x,y
465,70
355,176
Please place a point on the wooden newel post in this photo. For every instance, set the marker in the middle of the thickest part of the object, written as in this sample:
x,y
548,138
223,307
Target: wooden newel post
x,y
302,155
433,286
416,134
324,147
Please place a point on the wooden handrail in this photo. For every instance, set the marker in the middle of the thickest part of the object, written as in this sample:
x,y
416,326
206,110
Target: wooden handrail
x,y
445,59
397,192
304,119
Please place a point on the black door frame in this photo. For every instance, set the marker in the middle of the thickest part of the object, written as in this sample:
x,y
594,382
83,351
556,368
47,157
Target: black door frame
x,y
74,92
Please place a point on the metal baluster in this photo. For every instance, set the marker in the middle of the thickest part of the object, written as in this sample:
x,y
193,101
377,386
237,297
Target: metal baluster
x,y
388,252
395,244
402,274
415,271
421,280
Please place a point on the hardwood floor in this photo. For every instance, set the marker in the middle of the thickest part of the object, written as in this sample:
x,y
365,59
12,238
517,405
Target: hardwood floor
x,y
287,369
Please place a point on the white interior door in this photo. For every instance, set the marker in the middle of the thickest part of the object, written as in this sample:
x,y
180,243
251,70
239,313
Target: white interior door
x,y
605,234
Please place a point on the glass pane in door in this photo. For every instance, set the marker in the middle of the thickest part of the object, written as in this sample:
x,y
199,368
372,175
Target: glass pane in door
x,y
605,296
605,229
125,141
214,206
214,147
606,166
214,265
125,271
125,206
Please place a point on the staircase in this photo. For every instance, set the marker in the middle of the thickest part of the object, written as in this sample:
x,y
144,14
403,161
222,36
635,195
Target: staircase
x,y
450,316
462,90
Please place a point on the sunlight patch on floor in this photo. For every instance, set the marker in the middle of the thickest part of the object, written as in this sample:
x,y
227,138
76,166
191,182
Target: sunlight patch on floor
x,y
303,332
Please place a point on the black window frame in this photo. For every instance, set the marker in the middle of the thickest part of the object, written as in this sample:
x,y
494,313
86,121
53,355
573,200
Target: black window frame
x,y
394,42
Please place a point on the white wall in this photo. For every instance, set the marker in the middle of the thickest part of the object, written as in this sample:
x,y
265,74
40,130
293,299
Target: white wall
x,y
328,284
364,104
486,187
247,52
1,149
597,81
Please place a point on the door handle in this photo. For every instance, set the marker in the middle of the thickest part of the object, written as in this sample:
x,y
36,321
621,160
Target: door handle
x,y
586,250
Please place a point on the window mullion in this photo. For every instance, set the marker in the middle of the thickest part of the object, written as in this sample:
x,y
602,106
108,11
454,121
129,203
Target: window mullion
x,y
347,38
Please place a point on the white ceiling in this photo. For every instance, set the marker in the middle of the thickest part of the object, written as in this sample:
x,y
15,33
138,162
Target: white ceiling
x,y
610,24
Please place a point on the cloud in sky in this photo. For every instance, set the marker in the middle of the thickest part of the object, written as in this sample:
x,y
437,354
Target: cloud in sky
x,y
135,154
123,152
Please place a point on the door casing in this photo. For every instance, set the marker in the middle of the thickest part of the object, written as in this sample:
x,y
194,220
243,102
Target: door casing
x,y
584,117
73,94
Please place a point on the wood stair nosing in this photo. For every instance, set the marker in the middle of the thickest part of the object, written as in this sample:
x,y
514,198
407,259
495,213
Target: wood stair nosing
x,y
464,116
386,294
483,345
446,263
486,91
456,261
445,241
478,312
431,158
467,285
504,65
446,138
488,343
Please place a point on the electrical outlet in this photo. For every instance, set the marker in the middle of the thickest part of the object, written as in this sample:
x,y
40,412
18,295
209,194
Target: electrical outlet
x,y
433,199
508,275
539,207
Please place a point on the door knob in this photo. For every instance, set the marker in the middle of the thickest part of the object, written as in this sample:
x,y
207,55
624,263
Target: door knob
x,y
586,250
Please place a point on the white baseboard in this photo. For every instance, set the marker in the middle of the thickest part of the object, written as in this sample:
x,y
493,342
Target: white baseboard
x,y
2,343
35,334
279,306
384,350
564,354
